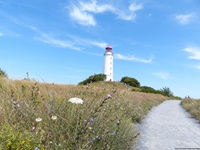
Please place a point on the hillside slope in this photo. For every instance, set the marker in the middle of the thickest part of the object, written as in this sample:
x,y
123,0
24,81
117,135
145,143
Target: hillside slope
x,y
39,115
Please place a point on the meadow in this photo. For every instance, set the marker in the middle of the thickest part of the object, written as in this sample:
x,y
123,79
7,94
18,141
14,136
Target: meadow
x,y
193,107
42,116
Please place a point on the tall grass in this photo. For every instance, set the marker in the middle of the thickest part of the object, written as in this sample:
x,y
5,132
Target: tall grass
x,y
39,116
193,107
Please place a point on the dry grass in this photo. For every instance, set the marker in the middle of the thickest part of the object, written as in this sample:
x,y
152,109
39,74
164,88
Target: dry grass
x,y
101,122
193,107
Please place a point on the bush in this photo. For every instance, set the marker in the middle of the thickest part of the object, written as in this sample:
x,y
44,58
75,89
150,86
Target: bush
x,y
130,81
147,89
3,73
94,78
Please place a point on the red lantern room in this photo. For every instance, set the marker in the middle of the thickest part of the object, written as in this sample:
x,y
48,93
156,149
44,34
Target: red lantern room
x,y
109,48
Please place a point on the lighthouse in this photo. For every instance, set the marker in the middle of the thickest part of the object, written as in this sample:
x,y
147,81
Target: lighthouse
x,y
108,63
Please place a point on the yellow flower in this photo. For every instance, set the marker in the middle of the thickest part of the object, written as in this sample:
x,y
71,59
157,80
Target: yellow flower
x,y
22,143
9,144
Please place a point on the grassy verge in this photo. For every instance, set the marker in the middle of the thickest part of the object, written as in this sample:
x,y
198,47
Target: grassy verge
x,y
37,115
193,107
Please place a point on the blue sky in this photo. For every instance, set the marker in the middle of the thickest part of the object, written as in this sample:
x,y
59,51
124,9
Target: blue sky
x,y
63,41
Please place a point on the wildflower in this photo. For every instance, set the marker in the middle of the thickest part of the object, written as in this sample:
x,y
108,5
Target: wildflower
x,y
38,91
109,96
53,117
91,140
36,148
18,105
85,121
90,128
118,122
91,120
33,128
22,143
38,119
9,144
76,100
15,102
50,142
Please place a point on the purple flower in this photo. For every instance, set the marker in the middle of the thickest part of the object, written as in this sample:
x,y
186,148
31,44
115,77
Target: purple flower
x,y
15,102
109,96
18,105
91,120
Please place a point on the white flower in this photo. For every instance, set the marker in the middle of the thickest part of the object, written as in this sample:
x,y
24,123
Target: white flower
x,y
33,128
76,100
38,119
53,117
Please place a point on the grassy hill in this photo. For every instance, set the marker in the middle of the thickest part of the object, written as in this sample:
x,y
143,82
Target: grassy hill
x,y
193,107
40,115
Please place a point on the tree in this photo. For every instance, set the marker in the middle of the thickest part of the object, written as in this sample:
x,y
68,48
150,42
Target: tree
x,y
3,73
166,91
130,81
93,78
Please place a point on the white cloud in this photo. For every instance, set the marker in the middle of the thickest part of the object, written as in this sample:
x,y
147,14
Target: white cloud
x,y
162,75
93,7
133,58
1,34
185,18
100,44
194,52
57,42
88,42
82,17
130,13
85,11
135,7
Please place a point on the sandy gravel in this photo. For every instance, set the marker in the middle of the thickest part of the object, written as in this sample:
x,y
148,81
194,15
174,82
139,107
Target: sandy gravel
x,y
168,127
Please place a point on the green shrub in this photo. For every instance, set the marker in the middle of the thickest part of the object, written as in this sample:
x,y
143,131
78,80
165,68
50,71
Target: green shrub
x,y
147,89
93,78
130,81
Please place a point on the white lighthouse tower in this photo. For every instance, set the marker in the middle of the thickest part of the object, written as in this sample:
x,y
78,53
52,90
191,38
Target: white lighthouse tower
x,y
108,63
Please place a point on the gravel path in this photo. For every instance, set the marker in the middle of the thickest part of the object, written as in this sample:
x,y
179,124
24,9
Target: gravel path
x,y
168,127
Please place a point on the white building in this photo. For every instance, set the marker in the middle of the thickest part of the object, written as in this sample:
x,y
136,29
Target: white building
x,y
108,63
